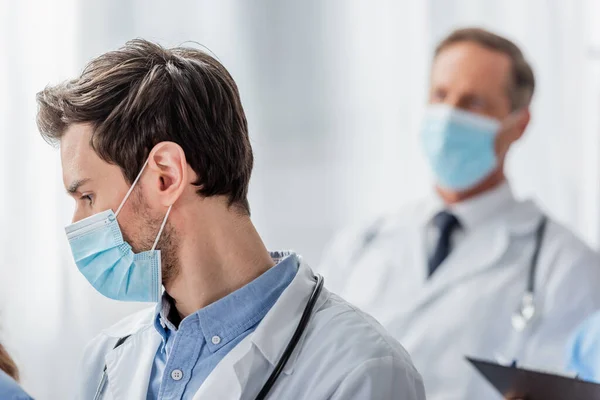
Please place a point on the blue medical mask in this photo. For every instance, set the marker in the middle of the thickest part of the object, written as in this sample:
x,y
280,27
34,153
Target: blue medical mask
x,y
459,145
109,263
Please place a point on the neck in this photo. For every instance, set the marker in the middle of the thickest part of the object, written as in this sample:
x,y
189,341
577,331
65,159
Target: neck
x,y
451,197
219,252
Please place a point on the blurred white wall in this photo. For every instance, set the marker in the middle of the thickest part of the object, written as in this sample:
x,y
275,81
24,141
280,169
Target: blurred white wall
x,y
333,91
589,221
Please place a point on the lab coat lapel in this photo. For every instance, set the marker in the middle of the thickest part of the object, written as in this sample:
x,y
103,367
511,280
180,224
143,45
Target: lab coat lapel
x,y
240,366
483,249
419,251
277,328
226,380
132,362
479,251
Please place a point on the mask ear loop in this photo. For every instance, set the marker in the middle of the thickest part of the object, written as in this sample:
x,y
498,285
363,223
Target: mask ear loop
x,y
162,227
131,188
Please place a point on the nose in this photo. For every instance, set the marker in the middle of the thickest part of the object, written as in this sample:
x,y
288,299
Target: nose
x,y
78,215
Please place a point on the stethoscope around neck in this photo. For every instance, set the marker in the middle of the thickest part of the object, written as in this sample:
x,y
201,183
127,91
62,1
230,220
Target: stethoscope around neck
x,y
526,310
289,349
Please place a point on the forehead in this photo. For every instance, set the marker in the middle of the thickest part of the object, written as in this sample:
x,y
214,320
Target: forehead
x,y
472,66
78,158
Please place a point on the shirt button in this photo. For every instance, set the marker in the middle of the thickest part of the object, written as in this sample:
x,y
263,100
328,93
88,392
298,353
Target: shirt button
x,y
176,374
216,339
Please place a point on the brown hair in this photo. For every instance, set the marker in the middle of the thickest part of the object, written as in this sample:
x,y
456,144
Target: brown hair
x,y
144,94
7,364
522,82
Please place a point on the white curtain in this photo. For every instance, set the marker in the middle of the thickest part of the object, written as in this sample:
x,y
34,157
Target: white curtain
x,y
36,47
590,225
333,91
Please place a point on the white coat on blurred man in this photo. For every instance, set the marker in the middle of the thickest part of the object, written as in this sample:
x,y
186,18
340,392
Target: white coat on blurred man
x,y
447,275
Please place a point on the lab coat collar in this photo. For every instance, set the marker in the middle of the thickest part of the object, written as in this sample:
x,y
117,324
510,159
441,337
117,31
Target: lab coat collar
x,y
473,213
240,366
523,219
132,362
482,249
274,332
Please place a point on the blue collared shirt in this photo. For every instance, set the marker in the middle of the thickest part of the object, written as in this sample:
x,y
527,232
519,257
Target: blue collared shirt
x,y
10,390
189,353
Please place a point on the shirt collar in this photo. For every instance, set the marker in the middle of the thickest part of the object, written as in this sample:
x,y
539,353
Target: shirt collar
x,y
161,320
478,210
232,315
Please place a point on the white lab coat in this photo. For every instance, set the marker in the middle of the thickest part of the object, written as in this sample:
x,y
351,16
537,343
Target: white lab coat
x,y
344,354
465,308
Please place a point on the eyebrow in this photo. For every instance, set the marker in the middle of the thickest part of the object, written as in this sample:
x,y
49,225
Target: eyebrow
x,y
74,187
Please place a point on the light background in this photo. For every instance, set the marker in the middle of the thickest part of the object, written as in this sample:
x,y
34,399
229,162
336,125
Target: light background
x,y
333,90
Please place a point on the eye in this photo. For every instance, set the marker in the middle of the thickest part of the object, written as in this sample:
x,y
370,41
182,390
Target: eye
x,y
438,95
477,104
87,198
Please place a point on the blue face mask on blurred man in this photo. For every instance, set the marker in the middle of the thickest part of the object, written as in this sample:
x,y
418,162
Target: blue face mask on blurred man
x,y
460,145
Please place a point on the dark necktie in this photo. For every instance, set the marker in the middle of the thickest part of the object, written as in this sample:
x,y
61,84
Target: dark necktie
x,y
446,224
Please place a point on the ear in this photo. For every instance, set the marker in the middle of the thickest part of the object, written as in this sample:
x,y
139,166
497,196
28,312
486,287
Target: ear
x,y
523,118
170,171
512,130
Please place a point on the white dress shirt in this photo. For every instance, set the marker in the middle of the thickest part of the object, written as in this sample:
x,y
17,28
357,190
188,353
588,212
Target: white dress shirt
x,y
471,214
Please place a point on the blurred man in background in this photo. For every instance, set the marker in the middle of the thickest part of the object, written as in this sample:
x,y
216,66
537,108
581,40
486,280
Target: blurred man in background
x,y
470,270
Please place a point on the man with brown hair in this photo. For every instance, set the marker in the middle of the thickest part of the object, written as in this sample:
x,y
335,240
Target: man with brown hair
x,y
155,152
470,271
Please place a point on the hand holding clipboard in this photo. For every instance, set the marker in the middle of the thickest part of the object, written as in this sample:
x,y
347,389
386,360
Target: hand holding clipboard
x,y
517,383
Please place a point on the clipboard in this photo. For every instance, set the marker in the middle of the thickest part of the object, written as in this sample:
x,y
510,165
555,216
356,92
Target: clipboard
x,y
514,382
